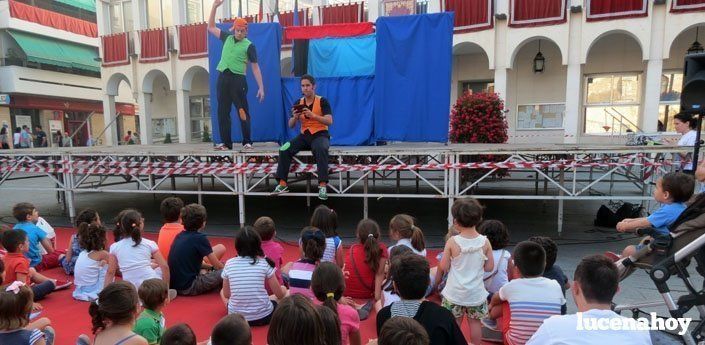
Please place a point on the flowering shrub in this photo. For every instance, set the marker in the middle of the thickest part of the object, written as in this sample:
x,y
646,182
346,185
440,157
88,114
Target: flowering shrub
x,y
479,118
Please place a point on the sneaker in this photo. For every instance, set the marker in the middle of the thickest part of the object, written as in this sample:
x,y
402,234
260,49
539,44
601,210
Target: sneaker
x,y
220,147
172,294
247,147
322,193
612,256
280,189
61,284
489,324
364,311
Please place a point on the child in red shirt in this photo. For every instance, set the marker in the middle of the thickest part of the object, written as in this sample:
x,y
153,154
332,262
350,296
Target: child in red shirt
x,y
17,265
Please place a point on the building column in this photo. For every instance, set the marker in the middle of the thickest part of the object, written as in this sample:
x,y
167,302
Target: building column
x,y
652,94
434,6
145,104
109,136
571,119
574,81
500,83
654,70
373,10
183,116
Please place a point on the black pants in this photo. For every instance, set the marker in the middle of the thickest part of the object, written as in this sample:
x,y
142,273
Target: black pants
x,y
318,143
41,290
232,90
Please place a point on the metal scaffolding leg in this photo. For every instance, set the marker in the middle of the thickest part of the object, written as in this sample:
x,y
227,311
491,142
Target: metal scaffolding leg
x,y
240,180
560,203
365,200
68,188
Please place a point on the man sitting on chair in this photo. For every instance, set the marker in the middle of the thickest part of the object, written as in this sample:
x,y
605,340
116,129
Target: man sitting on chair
x,y
314,113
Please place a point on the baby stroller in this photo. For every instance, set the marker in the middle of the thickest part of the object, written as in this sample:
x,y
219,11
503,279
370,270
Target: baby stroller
x,y
666,256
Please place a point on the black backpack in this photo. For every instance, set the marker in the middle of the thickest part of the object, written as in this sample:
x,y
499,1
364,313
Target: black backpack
x,y
606,218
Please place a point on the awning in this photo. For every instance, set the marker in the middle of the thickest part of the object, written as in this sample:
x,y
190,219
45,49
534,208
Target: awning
x,y
57,53
88,5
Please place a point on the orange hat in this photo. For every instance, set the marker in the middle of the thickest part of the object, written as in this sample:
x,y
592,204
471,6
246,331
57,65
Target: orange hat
x,y
239,23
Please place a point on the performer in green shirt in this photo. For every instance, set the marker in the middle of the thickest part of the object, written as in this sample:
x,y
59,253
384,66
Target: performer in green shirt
x,y
232,84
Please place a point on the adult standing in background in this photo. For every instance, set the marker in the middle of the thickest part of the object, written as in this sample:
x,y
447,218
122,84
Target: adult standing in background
x,y
40,138
232,83
4,138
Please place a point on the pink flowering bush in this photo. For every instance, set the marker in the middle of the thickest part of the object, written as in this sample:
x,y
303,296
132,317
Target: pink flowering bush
x,y
479,118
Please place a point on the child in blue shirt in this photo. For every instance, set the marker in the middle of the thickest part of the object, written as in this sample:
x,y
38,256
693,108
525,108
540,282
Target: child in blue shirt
x,y
672,191
27,217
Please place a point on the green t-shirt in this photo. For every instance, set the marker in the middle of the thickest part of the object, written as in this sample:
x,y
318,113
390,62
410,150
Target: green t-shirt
x,y
150,325
236,54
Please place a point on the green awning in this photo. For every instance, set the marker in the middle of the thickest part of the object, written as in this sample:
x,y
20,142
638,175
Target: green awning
x,y
88,5
57,53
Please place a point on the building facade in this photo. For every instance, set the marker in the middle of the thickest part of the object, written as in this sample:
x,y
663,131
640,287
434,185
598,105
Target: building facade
x,y
49,69
570,71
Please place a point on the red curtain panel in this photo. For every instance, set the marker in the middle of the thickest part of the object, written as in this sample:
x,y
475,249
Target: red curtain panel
x,y
52,19
614,9
286,19
338,14
193,41
329,30
153,45
471,15
687,5
115,50
523,13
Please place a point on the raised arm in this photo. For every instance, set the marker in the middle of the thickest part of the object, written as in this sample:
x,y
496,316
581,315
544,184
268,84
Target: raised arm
x,y
211,19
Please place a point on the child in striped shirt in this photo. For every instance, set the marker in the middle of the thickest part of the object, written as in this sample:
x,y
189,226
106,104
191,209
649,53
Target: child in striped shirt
x,y
298,274
326,220
531,299
244,277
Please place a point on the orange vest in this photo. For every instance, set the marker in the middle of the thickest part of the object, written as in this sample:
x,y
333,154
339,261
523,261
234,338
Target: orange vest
x,y
312,125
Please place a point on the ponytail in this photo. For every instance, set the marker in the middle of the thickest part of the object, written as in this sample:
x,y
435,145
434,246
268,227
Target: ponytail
x,y
96,317
313,243
403,225
130,225
368,234
328,284
417,239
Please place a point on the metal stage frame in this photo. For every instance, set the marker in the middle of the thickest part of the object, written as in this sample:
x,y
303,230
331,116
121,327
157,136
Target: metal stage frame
x,y
398,170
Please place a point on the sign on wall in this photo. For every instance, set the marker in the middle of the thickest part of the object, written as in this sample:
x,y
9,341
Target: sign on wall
x,y
399,7
540,116
4,99
23,120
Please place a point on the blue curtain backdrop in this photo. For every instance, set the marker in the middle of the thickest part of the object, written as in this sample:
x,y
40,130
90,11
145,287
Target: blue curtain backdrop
x,y
342,57
351,101
267,117
412,77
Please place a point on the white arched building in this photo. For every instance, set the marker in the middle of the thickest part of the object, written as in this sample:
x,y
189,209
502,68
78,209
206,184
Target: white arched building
x,y
601,77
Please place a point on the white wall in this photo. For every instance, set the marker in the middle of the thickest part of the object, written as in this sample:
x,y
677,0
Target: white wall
x,y
75,86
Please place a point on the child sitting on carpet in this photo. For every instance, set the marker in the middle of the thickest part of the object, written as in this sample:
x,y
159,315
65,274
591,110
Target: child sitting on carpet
x,y
326,220
530,299
266,229
298,274
296,321
27,215
113,316
411,279
133,254
553,271
17,265
403,230
672,191
402,330
390,296
92,263
498,235
154,295
180,334
15,308
365,263
232,329
87,216
244,277
328,285
170,208
466,257
188,274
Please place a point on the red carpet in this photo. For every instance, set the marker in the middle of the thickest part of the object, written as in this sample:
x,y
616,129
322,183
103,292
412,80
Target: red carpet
x,y
70,317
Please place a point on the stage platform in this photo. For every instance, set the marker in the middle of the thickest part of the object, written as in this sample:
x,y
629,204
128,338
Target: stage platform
x,y
556,172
